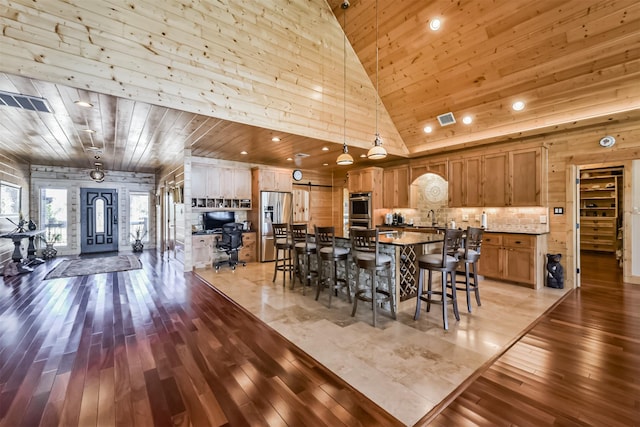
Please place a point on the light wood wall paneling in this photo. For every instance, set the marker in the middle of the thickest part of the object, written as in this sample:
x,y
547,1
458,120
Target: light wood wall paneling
x,y
182,60
15,172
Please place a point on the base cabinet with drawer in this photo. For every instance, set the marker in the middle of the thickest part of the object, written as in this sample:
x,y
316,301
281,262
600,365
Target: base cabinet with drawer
x,y
512,257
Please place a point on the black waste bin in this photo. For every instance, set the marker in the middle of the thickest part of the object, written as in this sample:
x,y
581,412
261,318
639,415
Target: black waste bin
x,y
555,272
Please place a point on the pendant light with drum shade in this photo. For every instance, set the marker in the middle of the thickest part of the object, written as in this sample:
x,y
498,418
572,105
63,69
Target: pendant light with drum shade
x,y
377,151
345,158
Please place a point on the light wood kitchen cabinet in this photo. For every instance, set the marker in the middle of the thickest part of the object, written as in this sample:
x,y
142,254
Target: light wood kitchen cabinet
x,y
272,179
512,178
249,247
525,175
495,179
242,183
437,167
202,246
465,182
396,188
365,180
199,179
220,187
511,257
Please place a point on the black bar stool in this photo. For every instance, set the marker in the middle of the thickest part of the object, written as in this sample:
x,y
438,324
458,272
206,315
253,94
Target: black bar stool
x,y
328,252
446,263
283,247
365,248
303,248
469,255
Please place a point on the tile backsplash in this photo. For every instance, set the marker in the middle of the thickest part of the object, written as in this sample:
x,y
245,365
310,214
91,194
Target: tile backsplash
x,y
526,219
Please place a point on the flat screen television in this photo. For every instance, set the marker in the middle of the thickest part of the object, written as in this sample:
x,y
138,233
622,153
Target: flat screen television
x,y
216,219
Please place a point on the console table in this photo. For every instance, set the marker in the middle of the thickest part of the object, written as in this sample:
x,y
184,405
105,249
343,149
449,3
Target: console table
x,y
31,249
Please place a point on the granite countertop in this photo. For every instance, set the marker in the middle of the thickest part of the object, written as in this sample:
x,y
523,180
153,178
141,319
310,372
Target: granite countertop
x,y
514,231
429,229
406,238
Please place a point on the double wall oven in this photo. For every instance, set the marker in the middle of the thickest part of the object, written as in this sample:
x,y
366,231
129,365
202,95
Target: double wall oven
x,y
360,211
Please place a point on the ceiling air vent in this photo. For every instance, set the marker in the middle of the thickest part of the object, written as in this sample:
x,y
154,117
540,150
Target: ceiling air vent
x,y
446,119
25,102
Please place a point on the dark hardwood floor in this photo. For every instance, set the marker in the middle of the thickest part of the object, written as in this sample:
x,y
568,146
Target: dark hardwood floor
x,y
159,347
579,365
156,347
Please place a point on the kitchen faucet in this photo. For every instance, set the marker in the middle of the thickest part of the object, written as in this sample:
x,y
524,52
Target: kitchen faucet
x,y
432,214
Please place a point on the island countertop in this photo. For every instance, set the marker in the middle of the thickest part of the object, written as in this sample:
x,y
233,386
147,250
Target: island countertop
x,y
406,238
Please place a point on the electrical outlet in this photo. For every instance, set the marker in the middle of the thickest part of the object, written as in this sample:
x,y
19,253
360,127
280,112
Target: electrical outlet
x,y
543,219
465,218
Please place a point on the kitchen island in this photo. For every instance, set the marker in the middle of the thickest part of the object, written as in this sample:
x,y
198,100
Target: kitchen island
x,y
403,247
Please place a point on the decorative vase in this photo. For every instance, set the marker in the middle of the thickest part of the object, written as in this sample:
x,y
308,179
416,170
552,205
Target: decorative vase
x,y
32,225
49,251
137,246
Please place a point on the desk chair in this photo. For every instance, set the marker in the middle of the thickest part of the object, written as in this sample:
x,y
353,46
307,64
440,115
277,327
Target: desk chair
x,y
230,242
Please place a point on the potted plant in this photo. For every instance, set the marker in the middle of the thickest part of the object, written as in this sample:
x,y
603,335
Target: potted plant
x,y
137,236
49,251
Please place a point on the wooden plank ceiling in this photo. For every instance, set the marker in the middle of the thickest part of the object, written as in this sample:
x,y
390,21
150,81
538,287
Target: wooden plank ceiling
x,y
223,77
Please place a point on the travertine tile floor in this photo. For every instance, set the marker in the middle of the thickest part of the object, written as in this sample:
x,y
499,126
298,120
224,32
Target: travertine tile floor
x,y
405,366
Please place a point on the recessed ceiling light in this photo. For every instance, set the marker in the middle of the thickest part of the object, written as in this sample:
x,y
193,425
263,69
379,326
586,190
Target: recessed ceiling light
x,y
325,164
435,24
518,106
467,120
84,104
243,152
88,130
289,159
325,148
363,155
275,139
428,129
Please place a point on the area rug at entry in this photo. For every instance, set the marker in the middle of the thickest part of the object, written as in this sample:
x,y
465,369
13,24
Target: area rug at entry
x,y
96,265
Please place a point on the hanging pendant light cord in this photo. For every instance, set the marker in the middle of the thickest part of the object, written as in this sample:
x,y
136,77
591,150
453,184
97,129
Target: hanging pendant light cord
x,y
377,91
344,74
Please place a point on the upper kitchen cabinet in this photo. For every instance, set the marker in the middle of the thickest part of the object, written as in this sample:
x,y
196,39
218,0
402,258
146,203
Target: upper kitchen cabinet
x,y
495,179
365,180
526,171
419,169
272,179
465,182
396,187
513,178
220,187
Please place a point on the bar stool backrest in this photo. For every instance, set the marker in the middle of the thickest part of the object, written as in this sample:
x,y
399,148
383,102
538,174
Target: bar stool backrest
x,y
280,233
473,242
365,240
450,246
299,232
325,237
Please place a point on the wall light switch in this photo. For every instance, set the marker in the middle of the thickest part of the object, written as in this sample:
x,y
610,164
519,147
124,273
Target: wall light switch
x,y
465,218
543,219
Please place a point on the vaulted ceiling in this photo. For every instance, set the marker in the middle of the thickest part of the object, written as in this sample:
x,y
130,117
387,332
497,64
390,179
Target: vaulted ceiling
x,y
223,77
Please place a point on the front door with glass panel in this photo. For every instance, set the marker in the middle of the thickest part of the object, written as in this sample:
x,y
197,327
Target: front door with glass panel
x,y
99,221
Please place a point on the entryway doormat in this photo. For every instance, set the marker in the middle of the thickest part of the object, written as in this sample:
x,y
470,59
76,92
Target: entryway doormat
x,y
94,265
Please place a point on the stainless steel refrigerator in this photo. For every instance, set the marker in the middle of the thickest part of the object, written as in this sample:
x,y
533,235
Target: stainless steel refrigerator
x,y
275,208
